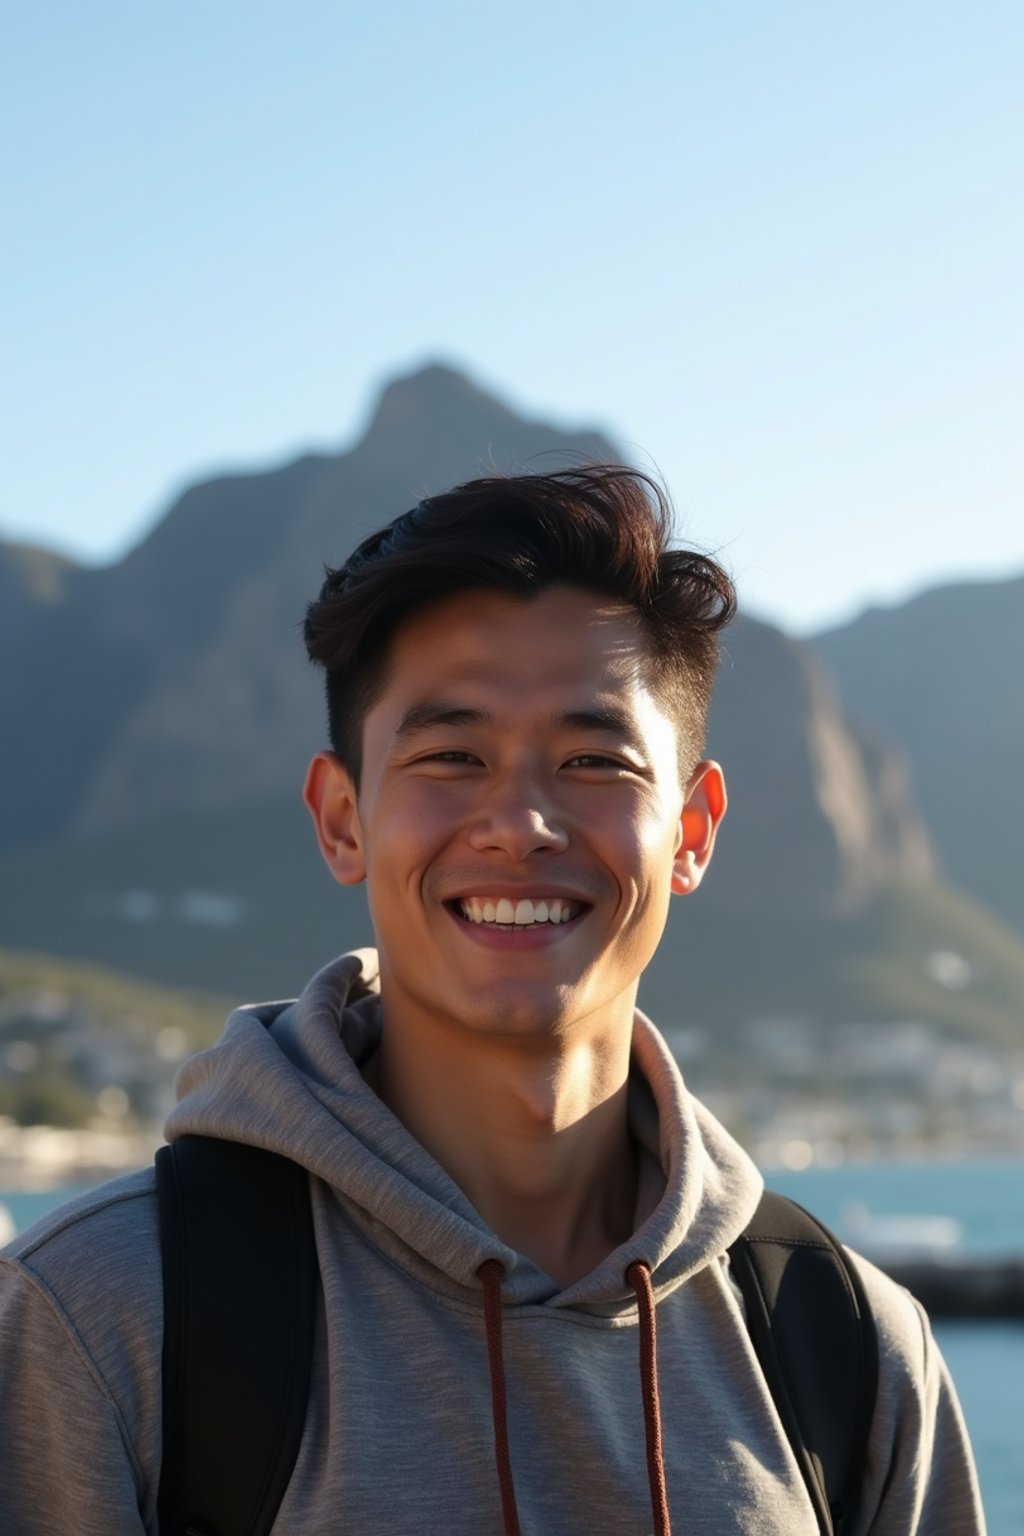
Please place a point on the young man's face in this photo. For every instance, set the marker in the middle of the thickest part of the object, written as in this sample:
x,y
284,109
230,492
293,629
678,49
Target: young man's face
x,y
520,821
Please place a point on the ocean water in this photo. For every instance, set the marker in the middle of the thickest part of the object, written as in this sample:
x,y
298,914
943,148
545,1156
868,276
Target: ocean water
x,y
27,1206
986,1359
985,1196
987,1364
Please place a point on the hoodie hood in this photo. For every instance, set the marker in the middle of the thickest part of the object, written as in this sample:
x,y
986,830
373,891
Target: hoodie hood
x,y
287,1077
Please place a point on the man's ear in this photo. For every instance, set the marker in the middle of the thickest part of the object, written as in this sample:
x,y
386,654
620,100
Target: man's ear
x,y
330,798
703,810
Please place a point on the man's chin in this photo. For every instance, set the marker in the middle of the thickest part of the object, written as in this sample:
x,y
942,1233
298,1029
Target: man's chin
x,y
516,1012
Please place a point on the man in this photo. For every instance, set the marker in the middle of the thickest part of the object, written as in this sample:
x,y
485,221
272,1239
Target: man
x,y
510,1184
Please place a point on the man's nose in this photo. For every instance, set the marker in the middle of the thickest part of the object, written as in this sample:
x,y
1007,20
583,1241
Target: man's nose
x,y
516,818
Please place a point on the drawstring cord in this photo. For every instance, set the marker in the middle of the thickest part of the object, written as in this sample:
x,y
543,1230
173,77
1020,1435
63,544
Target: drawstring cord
x,y
491,1273
639,1277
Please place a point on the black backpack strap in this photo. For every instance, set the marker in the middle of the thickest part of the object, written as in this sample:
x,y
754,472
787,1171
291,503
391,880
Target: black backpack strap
x,y
812,1329
240,1279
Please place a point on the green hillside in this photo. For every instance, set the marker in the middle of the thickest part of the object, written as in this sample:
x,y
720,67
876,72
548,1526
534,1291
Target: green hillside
x,y
141,1006
78,1041
919,951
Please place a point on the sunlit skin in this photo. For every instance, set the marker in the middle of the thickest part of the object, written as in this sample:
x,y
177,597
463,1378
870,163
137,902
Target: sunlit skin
x,y
518,751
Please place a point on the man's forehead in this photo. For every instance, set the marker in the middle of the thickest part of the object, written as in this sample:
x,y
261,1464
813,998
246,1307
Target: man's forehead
x,y
466,686
566,652
484,634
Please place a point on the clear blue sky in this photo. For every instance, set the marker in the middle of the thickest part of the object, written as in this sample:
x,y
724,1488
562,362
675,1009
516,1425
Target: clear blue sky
x,y
776,250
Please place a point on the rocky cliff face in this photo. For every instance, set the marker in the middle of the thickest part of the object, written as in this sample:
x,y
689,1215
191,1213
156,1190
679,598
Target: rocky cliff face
x,y
176,682
820,816
941,673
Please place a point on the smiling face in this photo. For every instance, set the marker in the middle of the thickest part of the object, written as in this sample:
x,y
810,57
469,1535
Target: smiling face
x,y
520,822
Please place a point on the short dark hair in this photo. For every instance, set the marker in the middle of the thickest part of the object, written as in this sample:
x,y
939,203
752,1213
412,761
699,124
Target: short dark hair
x,y
603,527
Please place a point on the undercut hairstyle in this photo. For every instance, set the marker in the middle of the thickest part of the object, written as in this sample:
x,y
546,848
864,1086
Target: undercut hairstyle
x,y
604,528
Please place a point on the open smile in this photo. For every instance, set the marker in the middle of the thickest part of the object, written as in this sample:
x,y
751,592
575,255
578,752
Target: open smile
x,y
501,912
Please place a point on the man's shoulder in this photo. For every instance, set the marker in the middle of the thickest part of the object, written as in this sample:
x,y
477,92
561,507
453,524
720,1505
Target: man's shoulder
x,y
905,1344
127,1203
102,1246
81,1333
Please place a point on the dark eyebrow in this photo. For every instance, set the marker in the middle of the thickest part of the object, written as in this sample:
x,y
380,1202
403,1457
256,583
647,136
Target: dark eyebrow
x,y
610,722
420,717
596,720
431,713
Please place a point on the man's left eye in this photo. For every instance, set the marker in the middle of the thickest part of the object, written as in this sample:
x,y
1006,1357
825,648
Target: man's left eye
x,y
594,760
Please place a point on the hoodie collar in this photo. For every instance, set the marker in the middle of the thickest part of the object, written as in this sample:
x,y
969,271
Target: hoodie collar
x,y
287,1076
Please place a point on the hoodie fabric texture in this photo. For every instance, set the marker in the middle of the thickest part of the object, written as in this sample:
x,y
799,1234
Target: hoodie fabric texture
x,y
400,1433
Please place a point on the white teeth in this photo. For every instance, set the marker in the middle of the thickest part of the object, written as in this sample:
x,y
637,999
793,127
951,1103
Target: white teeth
x,y
523,914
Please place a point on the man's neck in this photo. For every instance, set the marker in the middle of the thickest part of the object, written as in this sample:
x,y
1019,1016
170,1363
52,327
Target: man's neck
x,y
534,1132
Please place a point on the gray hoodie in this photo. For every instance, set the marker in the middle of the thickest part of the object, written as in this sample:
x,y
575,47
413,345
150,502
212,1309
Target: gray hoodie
x,y
399,1436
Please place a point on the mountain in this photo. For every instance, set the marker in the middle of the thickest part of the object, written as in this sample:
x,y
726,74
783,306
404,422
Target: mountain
x,y
941,675
176,677
159,714
821,815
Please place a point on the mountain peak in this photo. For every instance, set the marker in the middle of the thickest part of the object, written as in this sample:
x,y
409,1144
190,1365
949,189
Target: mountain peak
x,y
451,428
435,396
428,379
